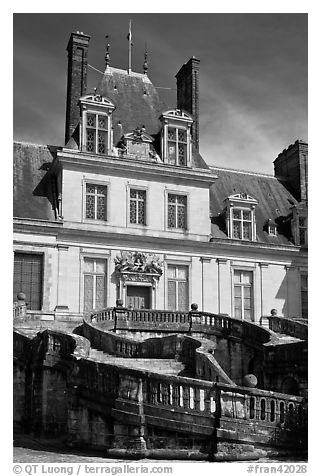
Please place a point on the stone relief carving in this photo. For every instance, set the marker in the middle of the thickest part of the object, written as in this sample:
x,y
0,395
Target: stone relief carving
x,y
137,262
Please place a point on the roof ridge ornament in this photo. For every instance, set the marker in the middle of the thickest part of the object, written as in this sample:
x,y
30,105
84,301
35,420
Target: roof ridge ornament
x,y
145,65
107,55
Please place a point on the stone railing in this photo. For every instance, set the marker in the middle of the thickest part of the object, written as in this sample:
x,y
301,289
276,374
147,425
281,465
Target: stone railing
x,y
120,318
291,327
277,409
19,309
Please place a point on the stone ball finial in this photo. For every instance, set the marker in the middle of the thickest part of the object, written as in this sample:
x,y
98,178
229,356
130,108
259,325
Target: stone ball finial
x,y
250,381
194,306
274,312
119,303
21,296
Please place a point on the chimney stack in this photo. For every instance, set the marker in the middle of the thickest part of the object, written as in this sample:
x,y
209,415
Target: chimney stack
x,y
77,79
188,94
291,168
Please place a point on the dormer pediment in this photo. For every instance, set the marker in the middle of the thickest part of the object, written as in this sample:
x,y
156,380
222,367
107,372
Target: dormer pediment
x,y
241,199
138,135
97,99
177,114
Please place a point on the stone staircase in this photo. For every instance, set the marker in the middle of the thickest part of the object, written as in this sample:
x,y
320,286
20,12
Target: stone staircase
x,y
163,366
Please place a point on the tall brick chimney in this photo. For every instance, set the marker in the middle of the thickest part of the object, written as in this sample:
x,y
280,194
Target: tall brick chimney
x,y
291,168
77,79
188,93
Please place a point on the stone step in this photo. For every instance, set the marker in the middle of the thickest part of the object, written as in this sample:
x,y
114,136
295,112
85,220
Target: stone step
x,y
164,366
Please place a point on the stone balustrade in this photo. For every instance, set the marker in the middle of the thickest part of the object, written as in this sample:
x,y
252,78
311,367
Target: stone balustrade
x,y
289,327
19,309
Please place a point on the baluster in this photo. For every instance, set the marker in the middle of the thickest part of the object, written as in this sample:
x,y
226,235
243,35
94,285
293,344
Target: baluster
x,y
175,393
207,400
197,398
186,396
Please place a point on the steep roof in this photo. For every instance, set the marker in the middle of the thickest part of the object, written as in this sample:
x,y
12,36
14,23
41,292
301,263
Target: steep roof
x,y
274,202
137,104
32,191
136,99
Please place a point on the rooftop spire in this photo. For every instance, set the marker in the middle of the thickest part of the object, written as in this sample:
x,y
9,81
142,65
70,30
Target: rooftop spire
x,y
107,56
145,65
130,44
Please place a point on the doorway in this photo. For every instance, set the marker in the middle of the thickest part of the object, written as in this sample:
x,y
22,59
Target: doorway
x,y
138,297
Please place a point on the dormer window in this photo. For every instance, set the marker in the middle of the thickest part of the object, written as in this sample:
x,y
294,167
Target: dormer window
x,y
96,133
177,146
303,230
270,227
240,217
96,130
176,138
300,224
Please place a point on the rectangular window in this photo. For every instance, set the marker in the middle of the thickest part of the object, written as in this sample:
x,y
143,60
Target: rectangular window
x,y
243,295
177,146
303,231
27,278
94,284
177,285
137,206
96,133
304,295
96,202
177,211
242,224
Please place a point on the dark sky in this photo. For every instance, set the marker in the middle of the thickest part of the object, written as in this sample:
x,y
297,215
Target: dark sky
x,y
253,75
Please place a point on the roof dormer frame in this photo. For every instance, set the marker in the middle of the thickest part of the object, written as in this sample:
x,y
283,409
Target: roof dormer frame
x,y
176,138
96,132
240,216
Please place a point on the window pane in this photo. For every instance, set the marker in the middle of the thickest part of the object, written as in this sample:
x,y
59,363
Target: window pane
x,y
181,154
247,303
100,266
181,217
246,231
236,229
247,277
91,120
236,214
246,215
238,303
238,313
101,190
171,271
182,304
171,154
182,272
102,142
237,291
247,292
90,145
88,265
132,211
182,136
102,122
247,315
171,134
171,216
100,292
88,293
90,188
28,278
237,276
172,295
101,208
141,213
90,206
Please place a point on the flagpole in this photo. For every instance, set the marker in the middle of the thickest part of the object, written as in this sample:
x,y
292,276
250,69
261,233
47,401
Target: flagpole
x,y
130,47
